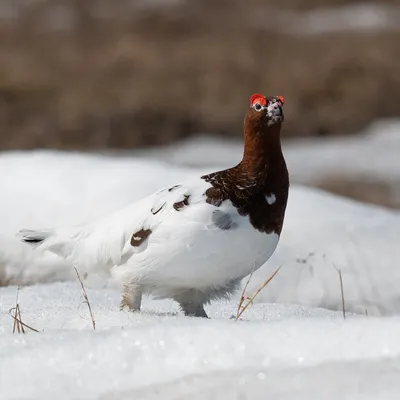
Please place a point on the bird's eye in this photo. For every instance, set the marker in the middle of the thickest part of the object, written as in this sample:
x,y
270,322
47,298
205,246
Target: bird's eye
x,y
258,106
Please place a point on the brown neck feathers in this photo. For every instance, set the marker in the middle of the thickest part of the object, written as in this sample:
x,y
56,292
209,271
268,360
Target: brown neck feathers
x,y
262,149
258,185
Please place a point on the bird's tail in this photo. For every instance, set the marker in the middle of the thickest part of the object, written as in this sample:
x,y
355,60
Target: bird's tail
x,y
34,238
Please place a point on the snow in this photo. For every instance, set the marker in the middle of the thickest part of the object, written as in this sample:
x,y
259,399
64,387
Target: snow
x,y
351,380
159,352
292,343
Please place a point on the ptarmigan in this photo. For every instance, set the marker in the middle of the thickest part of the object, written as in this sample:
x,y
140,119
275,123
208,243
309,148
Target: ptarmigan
x,y
195,241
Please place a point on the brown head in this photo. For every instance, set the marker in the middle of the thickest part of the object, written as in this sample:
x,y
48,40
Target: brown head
x,y
262,127
265,111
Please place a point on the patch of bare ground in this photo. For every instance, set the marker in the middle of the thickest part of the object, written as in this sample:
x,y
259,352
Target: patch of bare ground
x,y
366,190
98,74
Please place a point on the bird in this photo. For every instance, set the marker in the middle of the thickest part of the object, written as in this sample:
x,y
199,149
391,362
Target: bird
x,y
194,241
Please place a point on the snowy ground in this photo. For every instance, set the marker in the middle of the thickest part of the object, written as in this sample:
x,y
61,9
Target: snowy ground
x,y
282,351
290,344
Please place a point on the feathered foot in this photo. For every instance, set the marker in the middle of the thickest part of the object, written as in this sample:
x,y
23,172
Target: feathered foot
x,y
193,310
131,298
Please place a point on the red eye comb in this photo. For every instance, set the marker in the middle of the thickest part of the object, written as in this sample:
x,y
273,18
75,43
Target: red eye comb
x,y
281,99
258,98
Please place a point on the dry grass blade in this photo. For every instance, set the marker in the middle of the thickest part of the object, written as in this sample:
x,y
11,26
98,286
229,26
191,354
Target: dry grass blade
x,y
243,297
15,313
17,321
17,326
85,296
342,291
251,299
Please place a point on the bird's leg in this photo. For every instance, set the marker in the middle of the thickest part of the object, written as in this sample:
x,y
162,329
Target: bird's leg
x,y
193,309
131,298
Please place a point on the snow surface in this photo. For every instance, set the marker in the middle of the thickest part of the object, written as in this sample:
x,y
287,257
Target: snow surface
x,y
284,351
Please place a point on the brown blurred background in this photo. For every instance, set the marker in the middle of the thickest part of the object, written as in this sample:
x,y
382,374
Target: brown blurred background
x,y
79,74
95,74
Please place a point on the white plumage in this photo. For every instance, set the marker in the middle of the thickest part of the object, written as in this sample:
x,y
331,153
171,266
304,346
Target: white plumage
x,y
187,249
180,242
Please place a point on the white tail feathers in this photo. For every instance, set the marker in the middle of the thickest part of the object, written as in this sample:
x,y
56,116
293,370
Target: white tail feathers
x,y
34,238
